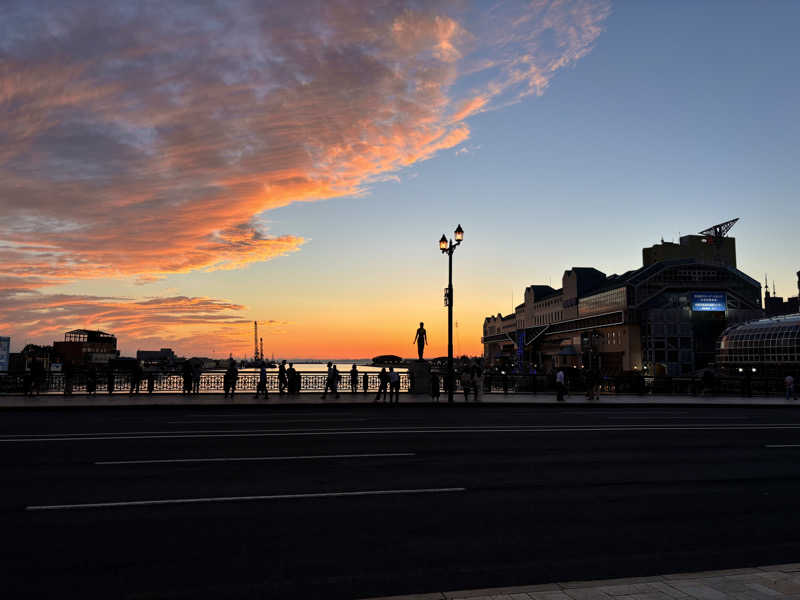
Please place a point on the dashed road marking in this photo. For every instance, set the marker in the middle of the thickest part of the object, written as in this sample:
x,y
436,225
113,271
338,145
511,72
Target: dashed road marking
x,y
245,498
251,458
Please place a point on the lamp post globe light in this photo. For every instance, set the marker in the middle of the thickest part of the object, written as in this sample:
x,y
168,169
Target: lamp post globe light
x,y
448,247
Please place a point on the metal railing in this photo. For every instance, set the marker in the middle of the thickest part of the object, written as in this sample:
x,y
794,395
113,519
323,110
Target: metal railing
x,y
314,382
211,382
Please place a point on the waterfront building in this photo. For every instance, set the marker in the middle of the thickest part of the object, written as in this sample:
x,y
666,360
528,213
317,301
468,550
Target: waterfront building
x,y
84,346
164,356
663,318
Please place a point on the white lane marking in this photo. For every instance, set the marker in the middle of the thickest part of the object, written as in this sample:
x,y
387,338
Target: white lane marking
x,y
382,431
640,417
268,421
246,498
251,458
782,446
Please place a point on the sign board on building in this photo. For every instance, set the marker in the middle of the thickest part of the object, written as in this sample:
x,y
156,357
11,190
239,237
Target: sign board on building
x,y
520,346
709,302
5,349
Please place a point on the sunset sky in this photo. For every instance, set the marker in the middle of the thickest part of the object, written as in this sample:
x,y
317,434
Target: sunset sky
x,y
171,171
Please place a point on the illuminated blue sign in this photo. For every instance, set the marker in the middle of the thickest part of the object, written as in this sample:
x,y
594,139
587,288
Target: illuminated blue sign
x,y
709,302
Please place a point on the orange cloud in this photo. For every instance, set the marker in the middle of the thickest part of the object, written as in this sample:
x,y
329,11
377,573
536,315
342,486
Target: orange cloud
x,y
470,107
150,142
178,320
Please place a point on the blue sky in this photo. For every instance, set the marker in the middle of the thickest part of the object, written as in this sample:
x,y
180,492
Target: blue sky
x,y
677,116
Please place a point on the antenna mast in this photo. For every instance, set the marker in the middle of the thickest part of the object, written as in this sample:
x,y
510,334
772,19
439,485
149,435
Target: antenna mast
x,y
262,348
255,340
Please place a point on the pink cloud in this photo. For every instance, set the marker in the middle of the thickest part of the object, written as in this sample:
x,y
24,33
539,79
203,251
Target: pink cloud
x,y
43,318
140,141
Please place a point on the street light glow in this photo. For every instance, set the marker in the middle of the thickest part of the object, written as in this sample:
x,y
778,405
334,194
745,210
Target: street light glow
x,y
459,233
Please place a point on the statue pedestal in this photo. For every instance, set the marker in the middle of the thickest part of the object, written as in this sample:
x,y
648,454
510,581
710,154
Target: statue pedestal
x,y
419,373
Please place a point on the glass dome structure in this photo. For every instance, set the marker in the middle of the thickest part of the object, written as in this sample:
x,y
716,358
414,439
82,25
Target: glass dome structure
x,y
772,343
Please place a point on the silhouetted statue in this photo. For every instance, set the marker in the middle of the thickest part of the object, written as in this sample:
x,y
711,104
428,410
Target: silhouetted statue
x,y
421,340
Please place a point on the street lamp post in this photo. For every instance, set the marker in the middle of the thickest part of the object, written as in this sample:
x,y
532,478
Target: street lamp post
x,y
448,248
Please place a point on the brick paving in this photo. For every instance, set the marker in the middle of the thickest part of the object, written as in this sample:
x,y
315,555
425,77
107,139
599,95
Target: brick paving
x,y
762,583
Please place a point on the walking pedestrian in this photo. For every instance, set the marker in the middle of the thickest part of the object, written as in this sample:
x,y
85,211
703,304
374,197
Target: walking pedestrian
x,y
110,380
332,381
435,387
477,379
91,381
290,380
136,378
354,379
261,388
327,381
283,378
466,381
37,375
365,382
151,380
383,384
68,375
394,385
197,372
589,382
788,383
560,385
187,378
230,379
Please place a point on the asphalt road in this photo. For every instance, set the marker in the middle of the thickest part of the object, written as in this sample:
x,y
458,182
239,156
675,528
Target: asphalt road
x,y
352,502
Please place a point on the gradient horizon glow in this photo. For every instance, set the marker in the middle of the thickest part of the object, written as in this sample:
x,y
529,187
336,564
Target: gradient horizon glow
x,y
170,172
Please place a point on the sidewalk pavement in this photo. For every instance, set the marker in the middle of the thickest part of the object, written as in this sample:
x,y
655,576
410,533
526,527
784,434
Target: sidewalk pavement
x,y
762,583
311,398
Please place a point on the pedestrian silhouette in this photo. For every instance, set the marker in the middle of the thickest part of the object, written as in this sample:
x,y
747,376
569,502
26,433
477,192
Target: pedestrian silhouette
x,y
136,378
110,377
197,372
332,380
366,382
187,377
91,380
230,378
283,379
354,379
383,384
291,380
394,386
435,387
261,388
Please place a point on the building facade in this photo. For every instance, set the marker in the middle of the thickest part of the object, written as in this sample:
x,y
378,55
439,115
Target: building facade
x,y
663,318
84,346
